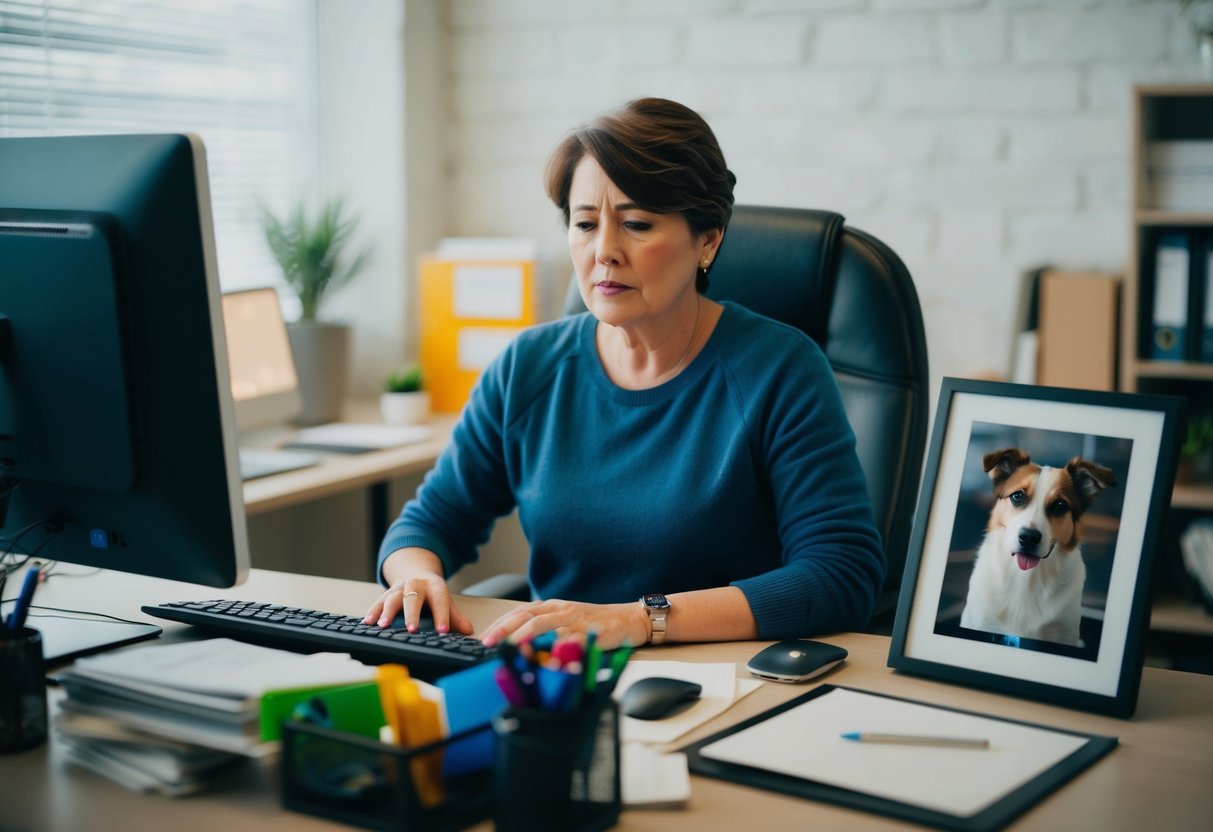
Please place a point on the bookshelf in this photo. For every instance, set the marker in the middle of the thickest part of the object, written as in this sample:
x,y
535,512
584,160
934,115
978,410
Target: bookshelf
x,y
1172,193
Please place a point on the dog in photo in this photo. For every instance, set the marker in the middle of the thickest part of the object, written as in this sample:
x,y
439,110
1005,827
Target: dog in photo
x,y
1028,577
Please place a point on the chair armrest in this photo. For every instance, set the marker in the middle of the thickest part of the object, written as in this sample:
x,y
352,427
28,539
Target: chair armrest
x,y
508,585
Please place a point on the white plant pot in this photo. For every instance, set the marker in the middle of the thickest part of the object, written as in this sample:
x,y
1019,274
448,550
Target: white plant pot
x,y
405,408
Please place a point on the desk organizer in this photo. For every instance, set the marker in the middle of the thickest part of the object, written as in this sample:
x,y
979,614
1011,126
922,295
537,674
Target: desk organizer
x,y
361,782
22,691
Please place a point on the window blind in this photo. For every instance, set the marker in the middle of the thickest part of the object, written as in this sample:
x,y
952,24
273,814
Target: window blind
x,y
239,73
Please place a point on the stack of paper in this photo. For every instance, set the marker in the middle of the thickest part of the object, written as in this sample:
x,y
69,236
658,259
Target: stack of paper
x,y
140,761
1181,175
652,779
166,717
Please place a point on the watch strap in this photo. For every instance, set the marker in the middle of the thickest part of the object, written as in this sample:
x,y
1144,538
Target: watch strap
x,y
658,610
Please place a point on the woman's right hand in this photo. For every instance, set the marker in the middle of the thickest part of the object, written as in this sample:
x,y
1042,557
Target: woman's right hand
x,y
415,580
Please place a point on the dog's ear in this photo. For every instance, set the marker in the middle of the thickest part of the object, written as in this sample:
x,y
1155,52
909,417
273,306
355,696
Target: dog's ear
x,y
1001,464
1089,478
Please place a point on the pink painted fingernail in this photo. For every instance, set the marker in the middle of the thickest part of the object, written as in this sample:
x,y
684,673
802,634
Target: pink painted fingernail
x,y
442,628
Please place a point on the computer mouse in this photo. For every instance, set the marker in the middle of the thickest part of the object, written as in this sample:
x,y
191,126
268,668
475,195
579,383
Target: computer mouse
x,y
658,697
797,660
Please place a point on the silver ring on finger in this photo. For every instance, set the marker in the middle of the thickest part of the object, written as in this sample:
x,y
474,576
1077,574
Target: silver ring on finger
x,y
410,594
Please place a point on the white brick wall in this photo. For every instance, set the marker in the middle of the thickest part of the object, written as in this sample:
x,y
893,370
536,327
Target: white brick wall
x,y
979,138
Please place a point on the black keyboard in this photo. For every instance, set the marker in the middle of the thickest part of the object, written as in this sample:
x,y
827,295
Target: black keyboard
x,y
427,654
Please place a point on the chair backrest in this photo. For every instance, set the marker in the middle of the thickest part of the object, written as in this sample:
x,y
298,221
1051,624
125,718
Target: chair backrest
x,y
853,296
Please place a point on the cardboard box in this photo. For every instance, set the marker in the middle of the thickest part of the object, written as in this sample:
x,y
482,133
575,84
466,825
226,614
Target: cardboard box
x,y
472,305
1078,328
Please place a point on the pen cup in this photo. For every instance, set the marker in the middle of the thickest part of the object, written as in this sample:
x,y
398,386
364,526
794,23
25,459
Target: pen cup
x,y
557,769
22,692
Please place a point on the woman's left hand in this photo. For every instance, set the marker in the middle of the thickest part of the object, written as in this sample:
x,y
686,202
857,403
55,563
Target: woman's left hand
x,y
612,624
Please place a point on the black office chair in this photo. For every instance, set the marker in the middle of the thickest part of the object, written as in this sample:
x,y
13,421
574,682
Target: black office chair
x,y
853,296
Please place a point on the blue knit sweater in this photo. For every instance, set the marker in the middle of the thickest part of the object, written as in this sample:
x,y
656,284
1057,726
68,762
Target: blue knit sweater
x,y
739,471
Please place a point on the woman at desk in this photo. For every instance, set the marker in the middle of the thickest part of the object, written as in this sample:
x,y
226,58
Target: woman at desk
x,y
660,444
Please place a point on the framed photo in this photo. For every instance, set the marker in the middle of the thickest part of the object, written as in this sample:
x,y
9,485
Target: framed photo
x,y
1029,565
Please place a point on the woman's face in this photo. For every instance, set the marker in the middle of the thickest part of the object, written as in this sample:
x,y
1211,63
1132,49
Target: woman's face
x,y
633,266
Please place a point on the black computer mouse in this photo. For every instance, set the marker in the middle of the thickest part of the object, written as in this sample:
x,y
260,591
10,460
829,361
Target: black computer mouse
x,y
797,660
658,697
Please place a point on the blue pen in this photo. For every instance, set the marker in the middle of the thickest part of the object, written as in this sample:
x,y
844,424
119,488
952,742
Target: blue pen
x,y
16,619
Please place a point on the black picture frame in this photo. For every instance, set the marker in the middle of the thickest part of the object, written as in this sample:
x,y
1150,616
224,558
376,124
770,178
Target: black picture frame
x,y
943,628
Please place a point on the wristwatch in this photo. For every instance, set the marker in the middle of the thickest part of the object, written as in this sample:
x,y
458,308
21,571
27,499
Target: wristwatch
x,y
658,608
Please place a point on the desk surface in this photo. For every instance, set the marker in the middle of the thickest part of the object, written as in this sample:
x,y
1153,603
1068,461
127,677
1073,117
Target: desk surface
x,y
339,473
1158,778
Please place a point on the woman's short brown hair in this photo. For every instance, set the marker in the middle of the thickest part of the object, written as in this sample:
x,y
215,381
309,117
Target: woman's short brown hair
x,y
660,153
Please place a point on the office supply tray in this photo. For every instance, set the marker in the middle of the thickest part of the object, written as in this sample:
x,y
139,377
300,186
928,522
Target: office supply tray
x,y
358,781
427,654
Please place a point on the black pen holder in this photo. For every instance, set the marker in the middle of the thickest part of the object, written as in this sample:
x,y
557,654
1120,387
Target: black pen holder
x,y
22,691
359,781
557,770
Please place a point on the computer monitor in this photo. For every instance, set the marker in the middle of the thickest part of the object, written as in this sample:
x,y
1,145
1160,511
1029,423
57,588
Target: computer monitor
x,y
117,433
265,388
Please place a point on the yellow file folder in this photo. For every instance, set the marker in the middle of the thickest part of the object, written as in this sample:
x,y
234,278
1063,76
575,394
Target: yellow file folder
x,y
470,309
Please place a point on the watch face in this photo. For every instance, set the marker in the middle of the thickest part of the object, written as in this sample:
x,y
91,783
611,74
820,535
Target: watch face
x,y
655,600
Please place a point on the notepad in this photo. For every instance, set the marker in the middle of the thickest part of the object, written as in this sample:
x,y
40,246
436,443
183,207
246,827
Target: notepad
x,y
805,742
652,780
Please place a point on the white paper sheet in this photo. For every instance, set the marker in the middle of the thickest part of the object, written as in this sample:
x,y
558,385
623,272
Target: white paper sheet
x,y
488,292
477,346
806,742
721,688
222,667
652,780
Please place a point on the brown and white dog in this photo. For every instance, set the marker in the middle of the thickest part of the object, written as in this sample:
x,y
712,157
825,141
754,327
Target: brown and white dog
x,y
1028,578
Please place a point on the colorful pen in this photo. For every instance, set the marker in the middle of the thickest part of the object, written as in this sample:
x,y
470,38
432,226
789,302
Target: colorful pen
x,y
593,657
509,687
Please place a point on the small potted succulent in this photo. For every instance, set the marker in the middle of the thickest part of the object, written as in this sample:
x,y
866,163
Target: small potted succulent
x,y
404,400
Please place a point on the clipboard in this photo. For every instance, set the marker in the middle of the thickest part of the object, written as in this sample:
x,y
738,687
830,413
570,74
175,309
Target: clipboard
x,y
995,815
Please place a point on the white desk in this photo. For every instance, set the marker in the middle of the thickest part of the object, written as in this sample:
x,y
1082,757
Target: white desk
x,y
1159,778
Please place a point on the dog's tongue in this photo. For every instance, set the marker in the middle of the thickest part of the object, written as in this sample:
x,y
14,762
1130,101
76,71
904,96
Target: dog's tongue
x,y
1026,562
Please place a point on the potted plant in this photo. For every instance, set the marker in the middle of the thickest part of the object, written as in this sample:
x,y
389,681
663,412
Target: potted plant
x,y
315,257
1196,453
404,400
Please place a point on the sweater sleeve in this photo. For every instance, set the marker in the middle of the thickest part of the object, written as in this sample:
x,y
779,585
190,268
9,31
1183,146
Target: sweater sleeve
x,y
833,560
467,489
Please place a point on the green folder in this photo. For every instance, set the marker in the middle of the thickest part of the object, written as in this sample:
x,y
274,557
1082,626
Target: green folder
x,y
352,708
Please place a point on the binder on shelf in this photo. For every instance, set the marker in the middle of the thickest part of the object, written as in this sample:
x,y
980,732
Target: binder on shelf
x,y
1206,330
1169,319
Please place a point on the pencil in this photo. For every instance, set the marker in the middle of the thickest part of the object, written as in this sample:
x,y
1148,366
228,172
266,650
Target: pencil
x,y
917,739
